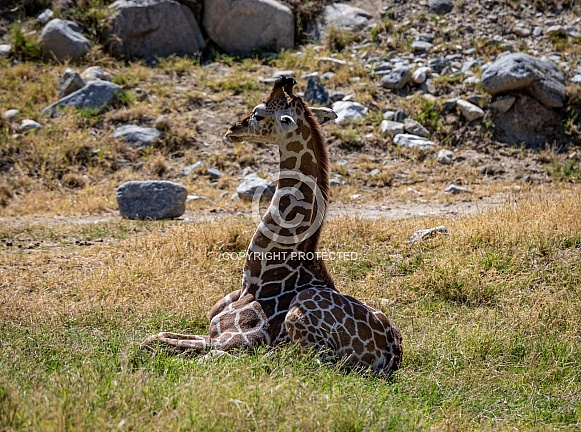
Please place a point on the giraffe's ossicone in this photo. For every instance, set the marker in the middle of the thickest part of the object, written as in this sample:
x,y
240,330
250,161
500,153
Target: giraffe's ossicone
x,y
287,293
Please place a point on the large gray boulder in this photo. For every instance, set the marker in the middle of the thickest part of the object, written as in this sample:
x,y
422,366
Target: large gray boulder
x,y
94,95
63,40
154,28
520,72
240,26
340,16
151,199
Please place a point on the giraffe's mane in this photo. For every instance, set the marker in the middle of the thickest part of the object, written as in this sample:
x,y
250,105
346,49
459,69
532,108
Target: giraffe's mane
x,y
321,153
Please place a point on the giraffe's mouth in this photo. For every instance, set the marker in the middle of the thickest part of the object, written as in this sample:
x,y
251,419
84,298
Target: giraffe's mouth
x,y
233,137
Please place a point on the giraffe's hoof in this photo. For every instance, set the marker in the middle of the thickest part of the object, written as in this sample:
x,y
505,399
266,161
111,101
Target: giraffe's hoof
x,y
150,339
214,354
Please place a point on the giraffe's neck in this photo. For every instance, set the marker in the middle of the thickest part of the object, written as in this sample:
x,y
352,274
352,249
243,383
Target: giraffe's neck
x,y
289,232
295,216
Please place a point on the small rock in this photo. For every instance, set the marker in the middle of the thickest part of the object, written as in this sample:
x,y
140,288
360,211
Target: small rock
x,y
389,115
441,7
425,233
454,190
5,50
151,200
420,75
421,46
337,96
45,16
315,93
522,31
62,40
397,78
95,94
70,82
355,196
286,73
413,142
196,197
214,173
331,63
471,81
502,105
96,73
576,79
469,111
477,100
537,31
161,123
557,31
140,94
137,136
391,126
374,172
347,111
450,104
400,116
445,157
415,128
11,114
28,125
252,185
187,170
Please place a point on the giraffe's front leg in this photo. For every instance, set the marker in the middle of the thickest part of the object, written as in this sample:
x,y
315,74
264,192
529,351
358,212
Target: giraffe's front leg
x,y
182,342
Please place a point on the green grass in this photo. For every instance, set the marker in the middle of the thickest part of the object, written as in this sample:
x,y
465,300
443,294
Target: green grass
x,y
489,316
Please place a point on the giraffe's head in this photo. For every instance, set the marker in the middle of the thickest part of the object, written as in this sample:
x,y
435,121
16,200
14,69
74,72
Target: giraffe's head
x,y
276,116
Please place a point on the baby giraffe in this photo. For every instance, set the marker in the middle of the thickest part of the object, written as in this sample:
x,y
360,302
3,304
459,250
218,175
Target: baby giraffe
x,y
287,293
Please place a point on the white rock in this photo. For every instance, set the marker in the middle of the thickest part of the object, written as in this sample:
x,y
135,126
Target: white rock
x,y
5,50
96,73
11,114
347,111
391,126
413,142
45,16
454,190
420,75
445,157
470,111
28,125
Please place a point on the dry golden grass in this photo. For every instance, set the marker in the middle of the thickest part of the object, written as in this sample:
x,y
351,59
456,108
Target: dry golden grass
x,y
489,316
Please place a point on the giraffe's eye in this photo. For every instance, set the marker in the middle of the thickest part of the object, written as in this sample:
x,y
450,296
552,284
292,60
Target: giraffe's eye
x,y
258,117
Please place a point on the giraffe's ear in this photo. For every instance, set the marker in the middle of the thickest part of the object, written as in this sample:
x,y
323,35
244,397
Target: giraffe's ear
x,y
323,115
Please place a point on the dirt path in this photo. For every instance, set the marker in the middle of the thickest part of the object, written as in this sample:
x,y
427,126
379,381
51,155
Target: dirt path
x,y
390,211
